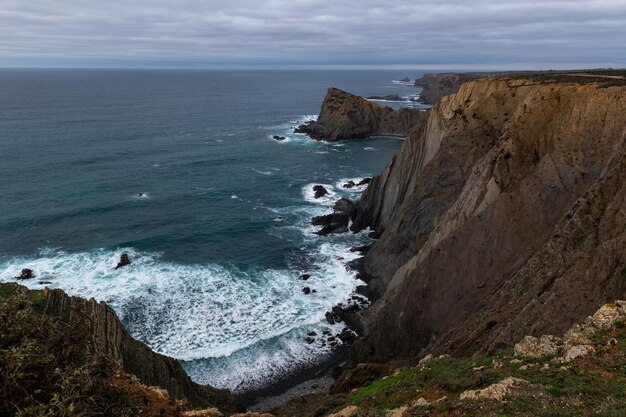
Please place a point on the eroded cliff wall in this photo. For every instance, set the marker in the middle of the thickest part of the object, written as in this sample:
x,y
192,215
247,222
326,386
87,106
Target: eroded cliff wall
x,y
502,216
109,339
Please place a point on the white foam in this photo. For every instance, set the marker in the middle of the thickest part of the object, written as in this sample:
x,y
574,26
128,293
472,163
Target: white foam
x,y
205,311
369,148
141,196
326,200
355,189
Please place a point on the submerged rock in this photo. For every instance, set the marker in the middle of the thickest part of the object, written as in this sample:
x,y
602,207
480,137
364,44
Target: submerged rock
x,y
349,184
304,277
306,290
26,273
278,138
124,261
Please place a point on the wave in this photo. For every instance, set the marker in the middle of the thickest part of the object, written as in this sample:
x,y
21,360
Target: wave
x,y
206,312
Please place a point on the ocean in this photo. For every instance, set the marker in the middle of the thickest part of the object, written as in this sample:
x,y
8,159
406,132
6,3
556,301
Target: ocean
x,y
179,170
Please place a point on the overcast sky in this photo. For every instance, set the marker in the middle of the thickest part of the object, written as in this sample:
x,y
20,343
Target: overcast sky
x,y
293,33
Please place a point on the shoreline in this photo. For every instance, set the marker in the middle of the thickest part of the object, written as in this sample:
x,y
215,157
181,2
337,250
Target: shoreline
x,y
302,381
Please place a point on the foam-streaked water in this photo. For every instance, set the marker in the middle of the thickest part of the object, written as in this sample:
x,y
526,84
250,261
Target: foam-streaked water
x,y
178,169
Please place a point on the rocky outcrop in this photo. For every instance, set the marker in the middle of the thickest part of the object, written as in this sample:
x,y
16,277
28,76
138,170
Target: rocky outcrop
x,y
109,340
502,216
346,116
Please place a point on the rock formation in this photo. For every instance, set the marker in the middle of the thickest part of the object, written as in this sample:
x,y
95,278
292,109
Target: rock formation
x,y
109,340
501,213
345,116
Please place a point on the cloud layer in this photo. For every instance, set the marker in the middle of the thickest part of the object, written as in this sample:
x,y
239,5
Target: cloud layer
x,y
480,33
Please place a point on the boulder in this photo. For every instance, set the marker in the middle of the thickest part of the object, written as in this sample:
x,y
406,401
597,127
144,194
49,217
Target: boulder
x,y
365,181
320,191
304,277
124,261
406,80
278,138
26,273
349,411
329,318
349,184
532,347
577,351
496,391
306,290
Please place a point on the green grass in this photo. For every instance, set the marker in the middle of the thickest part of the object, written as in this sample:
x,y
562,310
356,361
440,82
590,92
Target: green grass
x,y
594,385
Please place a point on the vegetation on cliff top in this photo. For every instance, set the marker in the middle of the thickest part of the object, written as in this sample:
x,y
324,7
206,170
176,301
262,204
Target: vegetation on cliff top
x,y
47,370
593,385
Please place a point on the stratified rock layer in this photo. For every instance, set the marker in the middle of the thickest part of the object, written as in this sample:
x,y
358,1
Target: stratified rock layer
x,y
345,116
502,216
109,339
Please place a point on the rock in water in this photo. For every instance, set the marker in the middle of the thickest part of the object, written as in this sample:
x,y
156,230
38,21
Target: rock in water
x,y
320,191
124,261
365,181
406,80
338,220
26,274
349,184
278,138
346,116
306,290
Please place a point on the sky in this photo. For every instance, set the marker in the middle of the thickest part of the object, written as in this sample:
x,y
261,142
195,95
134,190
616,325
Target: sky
x,y
446,34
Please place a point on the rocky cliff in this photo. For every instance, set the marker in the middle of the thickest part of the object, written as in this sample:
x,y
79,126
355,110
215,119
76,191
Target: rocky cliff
x,y
107,339
502,212
345,116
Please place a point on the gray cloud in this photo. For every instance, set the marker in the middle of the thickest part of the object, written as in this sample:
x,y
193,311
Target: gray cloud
x,y
454,33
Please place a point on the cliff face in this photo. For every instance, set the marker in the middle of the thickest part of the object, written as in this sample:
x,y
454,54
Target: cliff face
x,y
345,116
108,339
502,213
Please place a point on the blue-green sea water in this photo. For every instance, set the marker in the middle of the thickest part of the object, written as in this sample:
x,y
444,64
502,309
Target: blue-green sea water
x,y
179,169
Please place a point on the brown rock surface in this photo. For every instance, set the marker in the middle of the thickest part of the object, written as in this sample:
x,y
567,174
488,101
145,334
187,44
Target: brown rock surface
x,y
501,216
346,116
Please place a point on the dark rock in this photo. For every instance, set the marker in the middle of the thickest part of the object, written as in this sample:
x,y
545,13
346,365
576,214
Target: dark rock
x,y
348,336
349,184
278,138
365,181
360,249
329,318
306,290
311,334
320,191
406,80
124,261
44,282
309,339
26,273
390,97
304,277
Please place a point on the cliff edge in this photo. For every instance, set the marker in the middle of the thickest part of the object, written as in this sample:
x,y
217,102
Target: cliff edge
x,y
84,338
504,211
